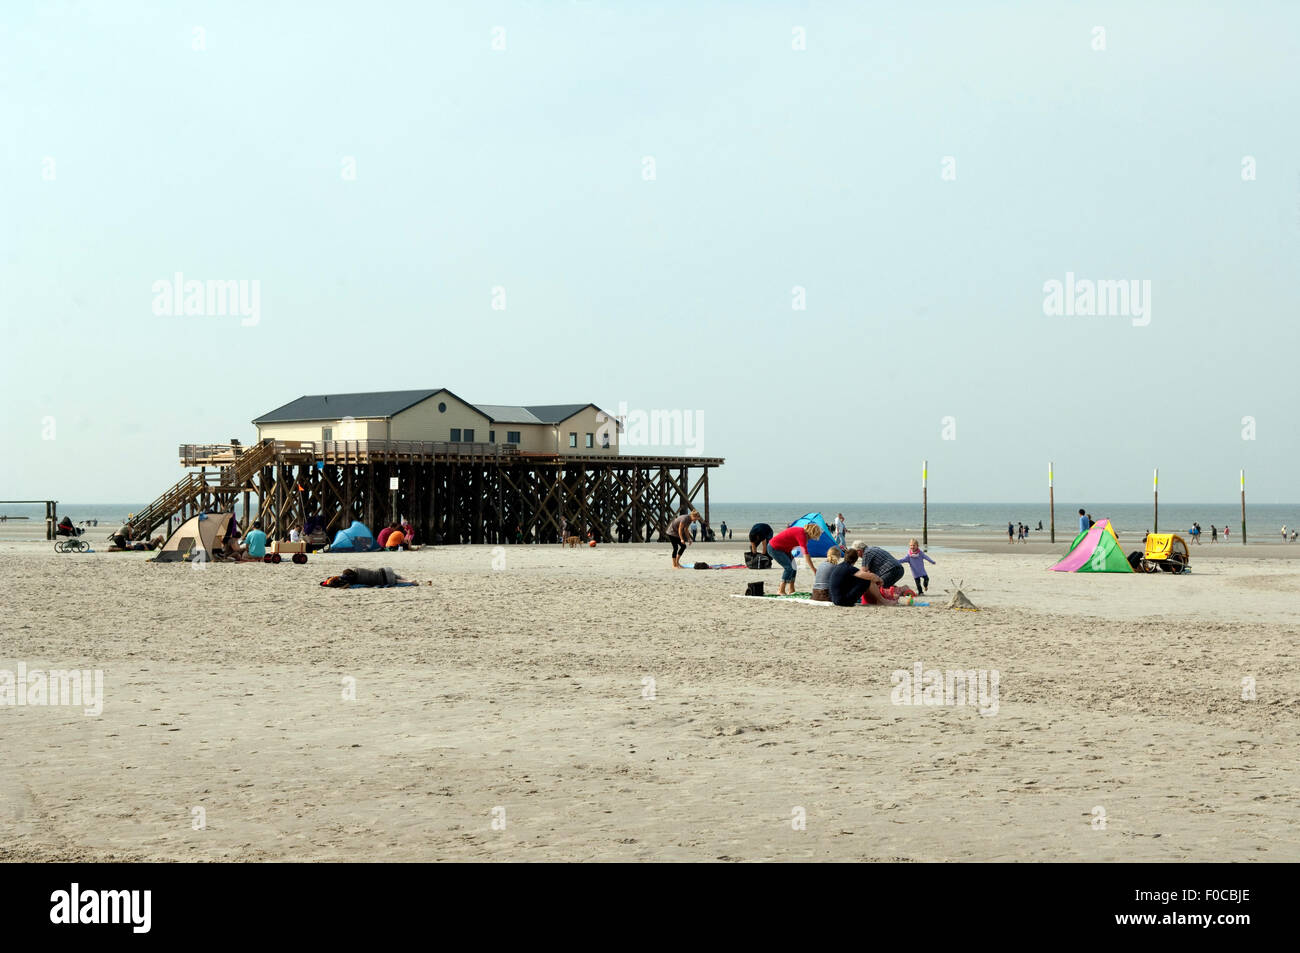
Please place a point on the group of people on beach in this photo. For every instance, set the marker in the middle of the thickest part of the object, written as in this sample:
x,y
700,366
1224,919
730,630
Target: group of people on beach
x,y
840,579
1020,532
855,575
399,534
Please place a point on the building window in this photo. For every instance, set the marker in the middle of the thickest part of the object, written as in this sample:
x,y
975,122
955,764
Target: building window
x,y
455,435
591,441
442,408
492,436
512,436
604,440
327,433
469,436
573,440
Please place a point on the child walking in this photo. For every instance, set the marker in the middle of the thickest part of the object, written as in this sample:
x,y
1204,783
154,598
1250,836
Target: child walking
x,y
917,559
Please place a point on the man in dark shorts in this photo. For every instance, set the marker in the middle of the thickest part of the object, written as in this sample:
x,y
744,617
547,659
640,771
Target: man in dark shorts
x,y
759,534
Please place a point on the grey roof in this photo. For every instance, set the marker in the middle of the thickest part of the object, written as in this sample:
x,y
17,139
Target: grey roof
x,y
554,413
337,406
505,414
383,404
537,414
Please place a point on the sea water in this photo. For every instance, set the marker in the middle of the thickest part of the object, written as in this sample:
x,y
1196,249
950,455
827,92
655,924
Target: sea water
x,y
1264,520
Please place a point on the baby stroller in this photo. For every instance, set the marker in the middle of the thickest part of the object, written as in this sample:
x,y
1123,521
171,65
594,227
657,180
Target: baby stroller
x,y
72,544
1165,552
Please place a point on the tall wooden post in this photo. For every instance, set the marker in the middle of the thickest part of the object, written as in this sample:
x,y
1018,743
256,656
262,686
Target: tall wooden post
x,y
1051,497
370,496
1243,507
1155,488
479,493
707,524
925,503
437,502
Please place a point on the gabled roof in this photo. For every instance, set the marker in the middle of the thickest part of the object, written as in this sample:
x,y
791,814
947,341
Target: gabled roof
x,y
372,405
506,414
554,413
536,414
384,404
558,413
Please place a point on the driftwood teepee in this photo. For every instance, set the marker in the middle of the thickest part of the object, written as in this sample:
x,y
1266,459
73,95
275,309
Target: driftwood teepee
x,y
959,600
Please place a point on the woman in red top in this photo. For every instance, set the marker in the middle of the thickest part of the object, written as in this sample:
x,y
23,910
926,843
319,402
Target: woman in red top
x,y
781,548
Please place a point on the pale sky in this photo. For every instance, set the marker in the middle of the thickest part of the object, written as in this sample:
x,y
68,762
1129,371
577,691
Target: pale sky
x,y
131,155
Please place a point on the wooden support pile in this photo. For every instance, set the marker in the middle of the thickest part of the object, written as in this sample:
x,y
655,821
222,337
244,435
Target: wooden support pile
x,y
451,493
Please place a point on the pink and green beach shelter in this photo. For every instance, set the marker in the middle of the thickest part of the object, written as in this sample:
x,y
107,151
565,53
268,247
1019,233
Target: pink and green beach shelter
x,y
1095,550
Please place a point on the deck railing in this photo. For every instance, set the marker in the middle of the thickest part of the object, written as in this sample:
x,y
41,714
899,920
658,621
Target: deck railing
x,y
226,455
329,451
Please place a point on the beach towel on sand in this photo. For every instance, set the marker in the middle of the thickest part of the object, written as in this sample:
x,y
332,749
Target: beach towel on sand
x,y
799,598
805,599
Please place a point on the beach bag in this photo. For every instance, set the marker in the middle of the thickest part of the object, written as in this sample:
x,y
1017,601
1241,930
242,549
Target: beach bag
x,y
701,565
754,588
758,561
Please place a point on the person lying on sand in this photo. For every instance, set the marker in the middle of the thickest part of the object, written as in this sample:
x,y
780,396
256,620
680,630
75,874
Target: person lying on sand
x,y
378,578
120,544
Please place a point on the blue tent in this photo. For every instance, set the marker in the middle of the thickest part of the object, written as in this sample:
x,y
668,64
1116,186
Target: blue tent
x,y
821,546
355,539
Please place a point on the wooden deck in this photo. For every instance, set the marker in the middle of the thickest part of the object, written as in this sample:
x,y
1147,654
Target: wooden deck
x,y
451,492
435,451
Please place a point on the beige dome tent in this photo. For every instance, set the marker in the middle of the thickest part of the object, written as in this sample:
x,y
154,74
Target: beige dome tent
x,y
204,531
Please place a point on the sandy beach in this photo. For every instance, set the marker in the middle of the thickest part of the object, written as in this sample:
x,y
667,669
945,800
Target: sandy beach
x,y
542,703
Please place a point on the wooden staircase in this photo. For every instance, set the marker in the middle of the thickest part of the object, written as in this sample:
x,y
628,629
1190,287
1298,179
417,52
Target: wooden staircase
x,y
198,489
